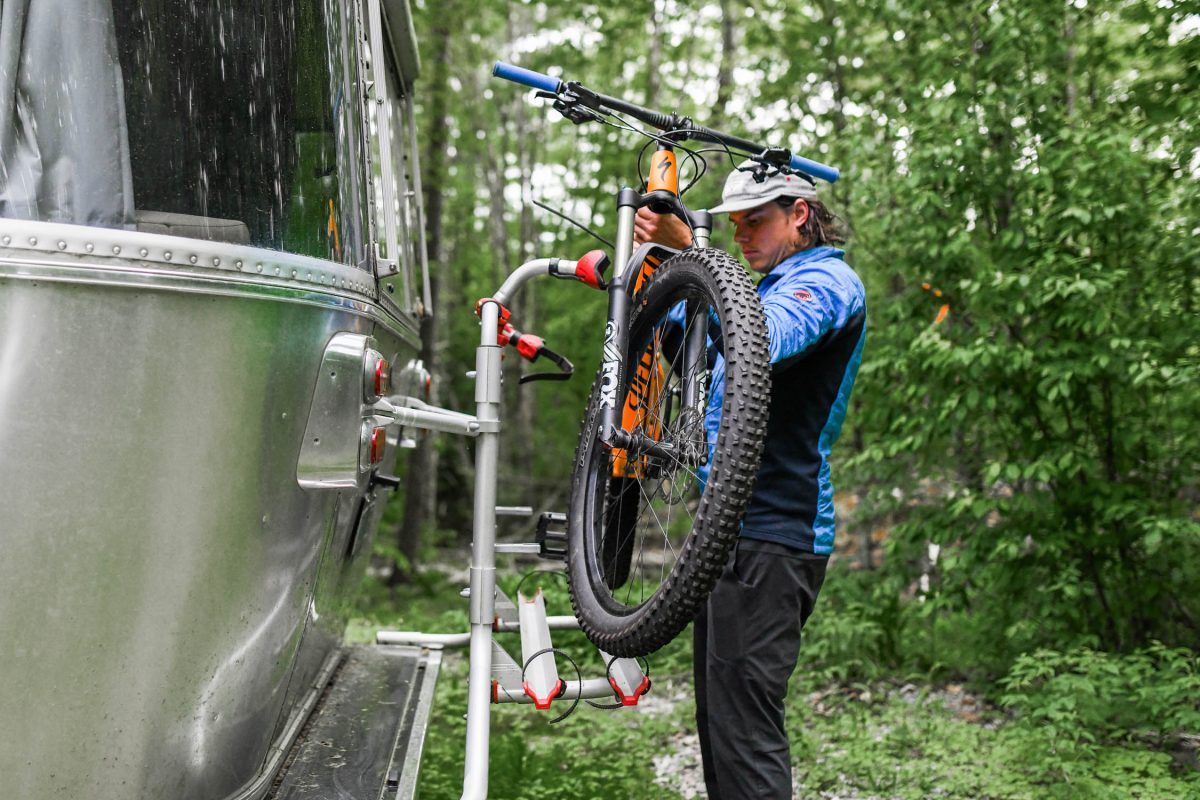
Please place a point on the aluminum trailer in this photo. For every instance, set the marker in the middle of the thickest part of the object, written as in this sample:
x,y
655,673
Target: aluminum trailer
x,y
211,261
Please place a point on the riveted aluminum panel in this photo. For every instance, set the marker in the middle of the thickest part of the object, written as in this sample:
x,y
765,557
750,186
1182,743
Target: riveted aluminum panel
x,y
170,592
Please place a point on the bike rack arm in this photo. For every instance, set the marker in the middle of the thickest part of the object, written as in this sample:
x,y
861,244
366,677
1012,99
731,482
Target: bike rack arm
x,y
556,623
583,270
414,413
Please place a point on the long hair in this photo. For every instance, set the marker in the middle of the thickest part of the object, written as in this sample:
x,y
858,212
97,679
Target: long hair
x,y
822,226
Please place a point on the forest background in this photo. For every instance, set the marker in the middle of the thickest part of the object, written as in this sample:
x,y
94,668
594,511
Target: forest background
x,y
1018,476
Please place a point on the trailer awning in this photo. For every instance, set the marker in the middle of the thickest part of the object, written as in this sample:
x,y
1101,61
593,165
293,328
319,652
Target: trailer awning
x,y
404,40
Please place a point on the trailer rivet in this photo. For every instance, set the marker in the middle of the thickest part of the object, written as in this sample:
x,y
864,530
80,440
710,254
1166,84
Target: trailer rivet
x,y
33,241
193,259
116,249
277,270
216,262
308,276
89,247
144,252
293,273
260,267
7,240
62,245
167,255
238,263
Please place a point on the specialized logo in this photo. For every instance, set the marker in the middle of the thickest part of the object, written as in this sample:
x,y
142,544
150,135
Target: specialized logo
x,y
608,370
663,167
803,294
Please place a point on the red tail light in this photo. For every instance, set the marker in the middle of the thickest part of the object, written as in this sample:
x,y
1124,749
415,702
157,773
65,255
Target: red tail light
x,y
378,445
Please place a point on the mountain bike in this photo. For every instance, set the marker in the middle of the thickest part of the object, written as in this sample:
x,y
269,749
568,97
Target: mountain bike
x,y
674,427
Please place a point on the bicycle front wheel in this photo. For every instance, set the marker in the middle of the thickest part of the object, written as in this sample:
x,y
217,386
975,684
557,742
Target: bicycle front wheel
x,y
650,528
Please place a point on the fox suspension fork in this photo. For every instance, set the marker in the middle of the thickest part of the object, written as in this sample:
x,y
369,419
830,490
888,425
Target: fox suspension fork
x,y
616,329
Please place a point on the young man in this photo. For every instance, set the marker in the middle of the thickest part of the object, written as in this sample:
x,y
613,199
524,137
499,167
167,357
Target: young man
x,y
748,639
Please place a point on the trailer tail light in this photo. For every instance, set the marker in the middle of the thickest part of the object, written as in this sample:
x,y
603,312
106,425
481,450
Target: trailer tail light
x,y
381,376
377,376
378,445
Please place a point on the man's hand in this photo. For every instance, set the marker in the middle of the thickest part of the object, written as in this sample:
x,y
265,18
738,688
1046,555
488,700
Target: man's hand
x,y
665,229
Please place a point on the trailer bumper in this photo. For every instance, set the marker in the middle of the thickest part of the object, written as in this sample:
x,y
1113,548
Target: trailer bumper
x,y
365,737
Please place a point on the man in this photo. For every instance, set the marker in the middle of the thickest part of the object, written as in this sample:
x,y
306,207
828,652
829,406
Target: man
x,y
748,639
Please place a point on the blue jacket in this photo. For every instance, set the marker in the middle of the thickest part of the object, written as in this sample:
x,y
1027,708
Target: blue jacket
x,y
817,321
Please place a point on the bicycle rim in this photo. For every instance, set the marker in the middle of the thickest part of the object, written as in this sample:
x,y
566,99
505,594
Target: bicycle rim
x,y
647,539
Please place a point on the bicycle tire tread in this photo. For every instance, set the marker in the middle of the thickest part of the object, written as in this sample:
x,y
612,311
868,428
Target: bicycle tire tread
x,y
734,467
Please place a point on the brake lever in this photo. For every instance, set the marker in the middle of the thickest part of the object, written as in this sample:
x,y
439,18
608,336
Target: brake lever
x,y
572,108
776,161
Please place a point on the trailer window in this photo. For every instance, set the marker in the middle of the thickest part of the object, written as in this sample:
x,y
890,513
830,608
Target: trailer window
x,y
218,120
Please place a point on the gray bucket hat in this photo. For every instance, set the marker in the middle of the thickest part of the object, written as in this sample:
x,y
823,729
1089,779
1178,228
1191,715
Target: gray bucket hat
x,y
742,192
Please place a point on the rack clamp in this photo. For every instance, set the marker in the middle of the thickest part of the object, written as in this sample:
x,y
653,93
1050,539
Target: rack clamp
x,y
551,536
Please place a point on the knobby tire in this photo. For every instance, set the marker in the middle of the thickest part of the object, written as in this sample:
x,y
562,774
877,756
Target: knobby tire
x,y
603,506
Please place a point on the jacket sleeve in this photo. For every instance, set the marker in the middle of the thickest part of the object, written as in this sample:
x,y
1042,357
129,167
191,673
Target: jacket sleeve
x,y
801,311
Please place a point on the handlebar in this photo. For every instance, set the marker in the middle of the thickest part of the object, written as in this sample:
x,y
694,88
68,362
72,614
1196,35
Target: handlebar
x,y
667,122
526,77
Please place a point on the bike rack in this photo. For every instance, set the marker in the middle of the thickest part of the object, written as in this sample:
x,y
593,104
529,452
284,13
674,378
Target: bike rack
x,y
494,676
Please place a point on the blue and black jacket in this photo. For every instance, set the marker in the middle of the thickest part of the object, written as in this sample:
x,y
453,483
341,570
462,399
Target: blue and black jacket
x,y
816,314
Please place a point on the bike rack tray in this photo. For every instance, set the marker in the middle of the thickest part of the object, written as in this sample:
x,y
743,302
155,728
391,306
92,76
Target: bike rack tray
x,y
365,737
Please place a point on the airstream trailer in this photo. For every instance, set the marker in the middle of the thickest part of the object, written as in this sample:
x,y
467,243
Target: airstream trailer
x,y
210,254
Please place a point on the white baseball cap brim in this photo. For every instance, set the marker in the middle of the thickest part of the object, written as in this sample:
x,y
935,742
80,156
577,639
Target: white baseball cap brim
x,y
742,192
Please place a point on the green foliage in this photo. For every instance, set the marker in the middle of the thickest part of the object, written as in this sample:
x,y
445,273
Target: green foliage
x,y
1031,165
1079,724
1079,699
913,745
1043,434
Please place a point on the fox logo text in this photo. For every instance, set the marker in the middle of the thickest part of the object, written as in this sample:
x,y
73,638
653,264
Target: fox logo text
x,y
608,371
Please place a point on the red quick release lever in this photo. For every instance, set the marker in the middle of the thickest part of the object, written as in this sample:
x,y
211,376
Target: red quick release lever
x,y
528,345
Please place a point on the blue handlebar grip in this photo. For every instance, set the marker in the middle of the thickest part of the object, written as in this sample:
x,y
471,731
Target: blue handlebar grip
x,y
526,77
816,169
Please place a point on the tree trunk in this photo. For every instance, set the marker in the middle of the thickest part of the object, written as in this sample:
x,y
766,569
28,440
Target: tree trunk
x,y
654,56
725,70
420,496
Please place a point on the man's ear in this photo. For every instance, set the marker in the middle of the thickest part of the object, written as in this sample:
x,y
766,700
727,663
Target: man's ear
x,y
800,212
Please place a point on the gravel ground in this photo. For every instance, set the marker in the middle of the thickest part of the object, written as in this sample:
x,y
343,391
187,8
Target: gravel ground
x,y
680,769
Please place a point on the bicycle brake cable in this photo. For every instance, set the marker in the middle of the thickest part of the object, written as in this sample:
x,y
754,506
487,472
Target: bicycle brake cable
x,y
574,222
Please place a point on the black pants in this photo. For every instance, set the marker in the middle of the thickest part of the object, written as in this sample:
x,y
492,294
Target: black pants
x,y
746,645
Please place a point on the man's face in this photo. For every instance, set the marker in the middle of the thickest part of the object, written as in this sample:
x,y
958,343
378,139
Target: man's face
x,y
768,233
